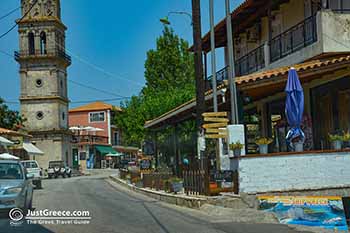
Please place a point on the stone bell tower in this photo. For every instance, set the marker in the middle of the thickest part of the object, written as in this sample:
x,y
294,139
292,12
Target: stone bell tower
x,y
43,73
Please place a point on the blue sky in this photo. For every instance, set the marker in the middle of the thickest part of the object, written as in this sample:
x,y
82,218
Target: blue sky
x,y
107,40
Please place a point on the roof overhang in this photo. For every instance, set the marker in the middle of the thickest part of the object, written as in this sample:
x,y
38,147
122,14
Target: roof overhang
x,y
244,16
186,107
262,84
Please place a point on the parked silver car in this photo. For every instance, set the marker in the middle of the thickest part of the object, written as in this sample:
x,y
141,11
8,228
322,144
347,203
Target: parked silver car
x,y
16,188
32,167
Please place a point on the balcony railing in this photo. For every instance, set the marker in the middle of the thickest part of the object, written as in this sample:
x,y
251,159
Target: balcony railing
x,y
294,39
221,75
42,54
89,139
251,62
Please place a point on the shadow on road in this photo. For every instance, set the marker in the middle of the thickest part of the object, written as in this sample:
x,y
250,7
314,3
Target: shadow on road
x,y
23,227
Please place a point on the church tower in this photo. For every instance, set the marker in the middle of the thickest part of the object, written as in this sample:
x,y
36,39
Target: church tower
x,y
43,73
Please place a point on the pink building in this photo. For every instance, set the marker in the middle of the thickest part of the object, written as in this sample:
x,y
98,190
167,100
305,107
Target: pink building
x,y
94,135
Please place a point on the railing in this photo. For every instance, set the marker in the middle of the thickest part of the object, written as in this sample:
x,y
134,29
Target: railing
x,y
39,53
89,139
196,182
156,180
221,75
345,10
251,62
294,39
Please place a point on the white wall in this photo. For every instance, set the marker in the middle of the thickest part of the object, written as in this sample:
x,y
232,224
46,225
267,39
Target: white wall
x,y
294,172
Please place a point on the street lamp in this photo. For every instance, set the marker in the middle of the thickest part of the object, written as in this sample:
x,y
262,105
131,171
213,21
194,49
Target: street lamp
x,y
166,21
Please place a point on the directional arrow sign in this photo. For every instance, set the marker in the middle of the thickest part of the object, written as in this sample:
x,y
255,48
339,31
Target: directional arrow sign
x,y
210,130
214,125
214,119
214,114
216,135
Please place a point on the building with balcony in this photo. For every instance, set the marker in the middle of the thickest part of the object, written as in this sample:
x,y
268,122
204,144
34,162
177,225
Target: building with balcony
x,y
94,137
270,37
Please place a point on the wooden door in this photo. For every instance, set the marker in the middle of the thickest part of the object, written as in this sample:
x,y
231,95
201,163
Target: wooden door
x,y
344,110
325,124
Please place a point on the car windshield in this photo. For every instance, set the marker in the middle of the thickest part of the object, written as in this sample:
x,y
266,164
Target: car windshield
x,y
56,164
10,171
31,164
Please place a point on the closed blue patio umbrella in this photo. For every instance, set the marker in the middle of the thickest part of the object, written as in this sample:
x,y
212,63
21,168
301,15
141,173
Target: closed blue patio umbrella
x,y
294,106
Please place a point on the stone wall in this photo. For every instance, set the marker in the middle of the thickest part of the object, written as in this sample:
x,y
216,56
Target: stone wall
x,y
294,172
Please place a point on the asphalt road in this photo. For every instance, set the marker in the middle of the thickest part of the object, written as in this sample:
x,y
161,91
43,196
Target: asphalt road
x,y
115,209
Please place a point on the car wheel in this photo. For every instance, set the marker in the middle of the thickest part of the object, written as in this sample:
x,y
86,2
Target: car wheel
x,y
64,175
69,175
30,205
50,177
39,185
56,176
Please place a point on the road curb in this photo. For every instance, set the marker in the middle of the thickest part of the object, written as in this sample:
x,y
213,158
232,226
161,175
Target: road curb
x,y
186,201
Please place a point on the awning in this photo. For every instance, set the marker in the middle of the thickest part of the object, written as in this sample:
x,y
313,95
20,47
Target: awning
x,y
8,156
5,142
105,150
31,149
118,154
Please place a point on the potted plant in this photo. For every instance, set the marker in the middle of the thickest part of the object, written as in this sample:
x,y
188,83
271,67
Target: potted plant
x,y
298,144
236,148
336,140
137,181
167,186
263,144
346,138
176,184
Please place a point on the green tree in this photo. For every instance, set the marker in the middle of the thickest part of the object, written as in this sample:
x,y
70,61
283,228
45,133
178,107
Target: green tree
x,y
9,119
169,74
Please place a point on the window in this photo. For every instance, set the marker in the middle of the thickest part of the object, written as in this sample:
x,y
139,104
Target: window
x,y
10,171
63,116
96,116
39,82
31,44
30,164
43,43
116,139
40,115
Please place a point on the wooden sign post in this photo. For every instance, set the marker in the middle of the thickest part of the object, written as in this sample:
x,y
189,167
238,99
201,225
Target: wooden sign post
x,y
214,122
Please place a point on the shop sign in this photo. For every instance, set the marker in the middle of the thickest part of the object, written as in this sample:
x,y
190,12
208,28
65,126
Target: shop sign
x,y
323,211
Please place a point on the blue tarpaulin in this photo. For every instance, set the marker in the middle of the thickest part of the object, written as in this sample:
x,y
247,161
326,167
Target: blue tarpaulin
x,y
294,106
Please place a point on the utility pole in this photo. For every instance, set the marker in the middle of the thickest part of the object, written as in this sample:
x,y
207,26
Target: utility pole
x,y
213,70
231,67
198,63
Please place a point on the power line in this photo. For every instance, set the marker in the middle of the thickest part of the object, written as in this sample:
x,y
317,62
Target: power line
x,y
11,12
6,53
81,84
74,55
95,89
96,67
79,102
98,100
13,27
